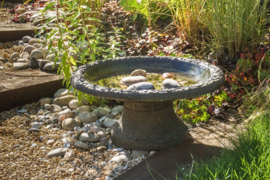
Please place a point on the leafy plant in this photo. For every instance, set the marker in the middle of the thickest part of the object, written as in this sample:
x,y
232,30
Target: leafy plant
x,y
196,110
75,38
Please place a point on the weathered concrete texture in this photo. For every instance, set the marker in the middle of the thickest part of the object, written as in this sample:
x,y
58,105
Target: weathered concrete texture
x,y
16,31
26,86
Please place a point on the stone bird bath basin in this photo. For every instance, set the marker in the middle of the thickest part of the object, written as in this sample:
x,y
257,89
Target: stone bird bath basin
x,y
148,121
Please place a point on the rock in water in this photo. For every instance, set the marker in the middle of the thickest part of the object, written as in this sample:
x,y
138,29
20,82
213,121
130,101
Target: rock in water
x,y
138,72
69,124
133,80
170,83
142,86
34,63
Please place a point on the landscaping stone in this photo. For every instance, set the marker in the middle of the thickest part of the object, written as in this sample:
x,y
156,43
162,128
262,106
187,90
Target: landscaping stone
x,y
37,125
23,60
170,83
93,127
138,72
55,108
108,123
51,67
58,152
33,41
103,133
25,55
28,49
62,92
74,104
63,100
100,112
61,118
84,108
42,63
86,137
69,124
19,66
101,148
117,110
50,57
44,101
119,158
33,130
87,117
142,86
133,80
34,63
13,56
26,39
69,156
37,54
67,113
81,145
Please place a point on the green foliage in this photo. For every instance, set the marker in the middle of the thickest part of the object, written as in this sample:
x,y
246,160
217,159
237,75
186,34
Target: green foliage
x,y
195,110
249,158
76,38
150,9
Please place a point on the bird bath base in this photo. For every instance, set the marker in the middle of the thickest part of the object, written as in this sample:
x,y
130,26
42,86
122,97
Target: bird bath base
x,y
149,126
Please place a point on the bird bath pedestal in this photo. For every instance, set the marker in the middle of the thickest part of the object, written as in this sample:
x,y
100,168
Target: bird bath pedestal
x,y
148,121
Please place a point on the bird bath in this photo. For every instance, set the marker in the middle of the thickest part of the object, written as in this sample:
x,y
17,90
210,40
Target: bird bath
x,y
148,121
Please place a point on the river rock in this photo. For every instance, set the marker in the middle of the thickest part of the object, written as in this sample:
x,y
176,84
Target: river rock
x,y
101,148
37,54
138,153
24,55
170,83
44,101
69,156
28,49
23,60
69,124
108,123
55,108
103,133
13,56
81,145
117,110
51,67
74,104
37,125
42,63
62,92
93,127
138,72
142,86
19,66
67,113
100,112
63,100
84,108
87,117
34,63
33,41
119,158
58,152
61,118
86,137
26,39
133,80
50,57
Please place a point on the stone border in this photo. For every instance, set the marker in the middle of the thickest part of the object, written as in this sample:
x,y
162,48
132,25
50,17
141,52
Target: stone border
x,y
216,80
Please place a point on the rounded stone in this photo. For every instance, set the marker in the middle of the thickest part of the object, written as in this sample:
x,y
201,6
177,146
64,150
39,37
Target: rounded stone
x,y
26,39
33,41
63,100
44,101
133,80
170,83
67,113
51,66
101,148
93,127
84,108
55,108
142,86
42,63
13,56
37,54
28,49
74,104
86,137
103,133
108,123
23,60
50,57
62,92
24,55
138,72
61,118
81,145
19,66
87,117
100,112
70,123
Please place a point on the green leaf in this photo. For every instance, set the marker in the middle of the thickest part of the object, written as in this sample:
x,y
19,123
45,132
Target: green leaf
x,y
72,60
